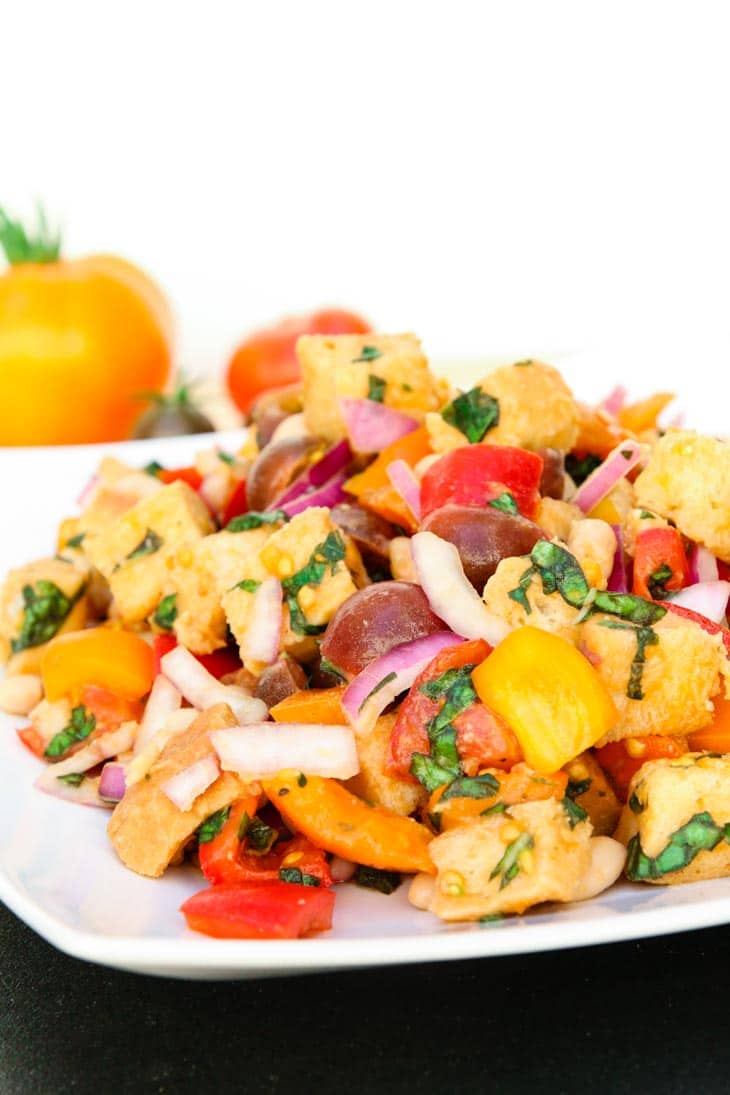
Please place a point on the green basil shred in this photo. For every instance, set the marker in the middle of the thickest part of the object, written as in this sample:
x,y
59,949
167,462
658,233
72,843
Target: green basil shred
x,y
166,612
81,725
254,519
473,413
45,607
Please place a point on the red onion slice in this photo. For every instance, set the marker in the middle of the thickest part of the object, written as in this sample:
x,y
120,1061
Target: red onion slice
x,y
707,598
112,784
335,459
266,748
618,580
702,565
202,690
450,593
403,479
372,426
619,462
614,401
370,692
183,788
330,494
263,634
163,700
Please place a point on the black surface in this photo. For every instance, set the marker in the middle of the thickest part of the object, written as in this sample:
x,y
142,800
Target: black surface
x,y
636,1017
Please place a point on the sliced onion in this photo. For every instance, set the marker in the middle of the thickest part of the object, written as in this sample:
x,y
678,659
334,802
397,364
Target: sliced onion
x,y
450,593
263,634
614,401
176,723
618,580
370,692
266,748
707,598
372,426
330,494
617,464
112,784
108,744
317,475
702,565
183,788
163,699
85,794
202,690
402,477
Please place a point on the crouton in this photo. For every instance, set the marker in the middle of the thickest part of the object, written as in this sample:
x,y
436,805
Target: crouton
x,y
374,783
687,480
135,553
556,518
682,672
593,543
64,611
147,829
547,611
341,365
675,822
638,520
507,862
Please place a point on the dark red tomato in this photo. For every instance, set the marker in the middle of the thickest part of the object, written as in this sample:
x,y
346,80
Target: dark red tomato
x,y
483,537
267,359
477,474
220,663
260,910
483,740
191,476
236,504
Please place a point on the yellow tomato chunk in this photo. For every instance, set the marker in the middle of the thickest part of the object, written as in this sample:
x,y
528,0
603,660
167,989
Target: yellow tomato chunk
x,y
118,660
550,695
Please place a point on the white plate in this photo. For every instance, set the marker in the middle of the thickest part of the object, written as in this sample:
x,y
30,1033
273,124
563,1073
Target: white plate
x,y
59,873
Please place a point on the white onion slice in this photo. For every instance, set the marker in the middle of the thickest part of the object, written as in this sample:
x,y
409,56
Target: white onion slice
x,y
702,565
402,477
708,598
619,462
163,699
176,723
263,634
450,594
202,690
266,748
183,788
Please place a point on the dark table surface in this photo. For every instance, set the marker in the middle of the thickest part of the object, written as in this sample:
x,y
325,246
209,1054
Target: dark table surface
x,y
636,1017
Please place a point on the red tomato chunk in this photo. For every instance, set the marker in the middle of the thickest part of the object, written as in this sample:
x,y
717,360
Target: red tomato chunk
x,y
260,910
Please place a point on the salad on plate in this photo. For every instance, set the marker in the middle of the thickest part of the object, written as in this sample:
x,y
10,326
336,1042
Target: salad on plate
x,y
471,641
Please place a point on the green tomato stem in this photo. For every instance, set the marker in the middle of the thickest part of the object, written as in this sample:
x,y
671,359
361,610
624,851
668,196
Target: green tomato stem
x,y
21,245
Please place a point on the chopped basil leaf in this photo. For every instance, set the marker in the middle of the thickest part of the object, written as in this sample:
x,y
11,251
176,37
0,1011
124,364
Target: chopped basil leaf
x,y
645,636
435,820
509,865
368,353
657,581
521,364
376,388
519,593
212,825
576,788
498,808
636,805
473,413
301,780
226,457
699,834
166,612
73,779
560,570
371,878
248,585
428,772
326,666
298,621
260,837
246,521
629,607
407,387
579,468
496,918
329,553
484,786
293,874
81,724
45,607
153,468
627,454
76,541
148,545
373,691
443,766
505,502
575,812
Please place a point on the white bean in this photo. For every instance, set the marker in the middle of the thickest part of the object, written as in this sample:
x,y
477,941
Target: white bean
x,y
607,862
421,890
20,694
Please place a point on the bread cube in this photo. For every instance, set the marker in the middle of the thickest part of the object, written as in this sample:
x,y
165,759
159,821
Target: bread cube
x,y
547,611
65,574
374,783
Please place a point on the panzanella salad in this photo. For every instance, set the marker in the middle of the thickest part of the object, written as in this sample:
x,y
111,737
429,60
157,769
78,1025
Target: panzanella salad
x,y
475,641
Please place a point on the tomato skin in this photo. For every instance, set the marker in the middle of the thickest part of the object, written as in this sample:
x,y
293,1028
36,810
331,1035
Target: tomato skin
x,y
32,740
656,547
260,910
473,475
109,710
79,340
483,739
621,767
220,663
707,625
236,504
191,476
267,358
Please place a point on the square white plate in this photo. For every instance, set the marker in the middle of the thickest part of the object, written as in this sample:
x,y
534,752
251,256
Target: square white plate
x,y
59,873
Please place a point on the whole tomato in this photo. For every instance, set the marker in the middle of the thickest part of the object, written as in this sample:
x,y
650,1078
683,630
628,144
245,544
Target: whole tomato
x,y
79,339
267,358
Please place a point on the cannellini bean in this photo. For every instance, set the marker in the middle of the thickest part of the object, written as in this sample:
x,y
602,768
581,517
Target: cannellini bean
x,y
594,545
401,560
421,890
292,426
607,862
19,695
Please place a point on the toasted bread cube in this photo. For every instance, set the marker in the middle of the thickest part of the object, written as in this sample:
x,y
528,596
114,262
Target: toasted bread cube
x,y
556,518
547,611
340,365
68,576
504,863
373,782
681,674
687,480
674,824
170,521
147,829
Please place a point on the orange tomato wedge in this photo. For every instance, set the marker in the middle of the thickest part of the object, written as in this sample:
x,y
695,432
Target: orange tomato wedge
x,y
119,661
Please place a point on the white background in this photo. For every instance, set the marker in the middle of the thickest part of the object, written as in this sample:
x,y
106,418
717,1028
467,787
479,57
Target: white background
x,y
501,178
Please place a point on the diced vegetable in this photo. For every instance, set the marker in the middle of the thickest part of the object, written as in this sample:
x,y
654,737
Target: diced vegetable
x,y
714,738
202,690
263,634
621,760
660,563
405,482
372,426
623,459
118,660
476,474
265,748
184,787
707,598
312,705
260,910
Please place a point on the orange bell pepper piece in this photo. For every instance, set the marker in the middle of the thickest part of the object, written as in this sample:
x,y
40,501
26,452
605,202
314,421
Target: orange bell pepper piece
x,y
714,738
598,432
317,705
548,693
119,661
643,415
337,821
374,490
